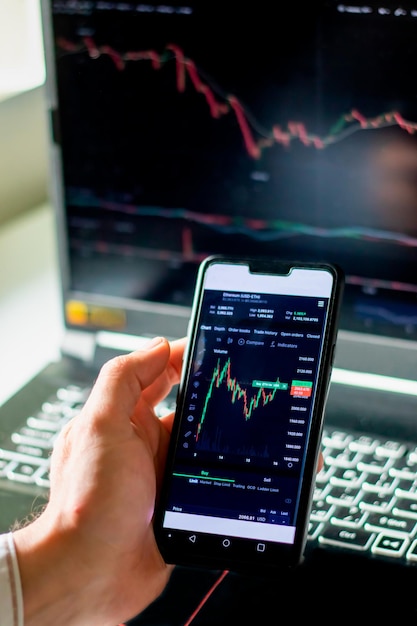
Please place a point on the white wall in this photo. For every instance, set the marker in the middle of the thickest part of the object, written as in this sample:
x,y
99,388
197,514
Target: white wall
x,y
23,147
21,54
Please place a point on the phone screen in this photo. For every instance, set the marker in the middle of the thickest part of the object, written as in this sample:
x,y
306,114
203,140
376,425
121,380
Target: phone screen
x,y
245,414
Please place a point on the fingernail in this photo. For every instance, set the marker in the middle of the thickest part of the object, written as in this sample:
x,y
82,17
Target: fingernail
x,y
153,343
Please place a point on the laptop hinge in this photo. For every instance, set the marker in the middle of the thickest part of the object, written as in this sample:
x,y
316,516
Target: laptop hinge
x,y
110,344
79,345
120,341
95,348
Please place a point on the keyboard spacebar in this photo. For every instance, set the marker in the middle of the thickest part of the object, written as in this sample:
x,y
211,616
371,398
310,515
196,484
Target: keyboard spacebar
x,y
353,539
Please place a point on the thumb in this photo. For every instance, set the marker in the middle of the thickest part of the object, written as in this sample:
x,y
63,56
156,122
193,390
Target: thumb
x,y
122,380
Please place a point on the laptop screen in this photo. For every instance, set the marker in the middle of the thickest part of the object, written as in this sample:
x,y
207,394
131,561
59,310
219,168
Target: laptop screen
x,y
186,129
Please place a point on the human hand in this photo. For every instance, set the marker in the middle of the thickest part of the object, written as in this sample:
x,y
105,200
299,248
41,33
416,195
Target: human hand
x,y
91,556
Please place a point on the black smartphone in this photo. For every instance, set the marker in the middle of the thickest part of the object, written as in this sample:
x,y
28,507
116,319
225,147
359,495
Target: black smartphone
x,y
247,432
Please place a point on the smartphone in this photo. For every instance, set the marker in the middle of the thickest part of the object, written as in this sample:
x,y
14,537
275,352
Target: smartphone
x,y
241,467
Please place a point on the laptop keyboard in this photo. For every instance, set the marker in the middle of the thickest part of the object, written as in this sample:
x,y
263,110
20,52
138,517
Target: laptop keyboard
x,y
365,499
24,458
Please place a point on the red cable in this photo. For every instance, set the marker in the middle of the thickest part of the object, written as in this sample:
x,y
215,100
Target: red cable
x,y
206,597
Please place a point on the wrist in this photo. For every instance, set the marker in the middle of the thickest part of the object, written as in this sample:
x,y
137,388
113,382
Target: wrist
x,y
65,582
54,587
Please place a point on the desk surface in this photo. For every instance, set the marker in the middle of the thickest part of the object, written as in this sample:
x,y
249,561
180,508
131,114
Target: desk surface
x,y
30,314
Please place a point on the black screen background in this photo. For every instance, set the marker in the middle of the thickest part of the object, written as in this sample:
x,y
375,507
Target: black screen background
x,y
154,181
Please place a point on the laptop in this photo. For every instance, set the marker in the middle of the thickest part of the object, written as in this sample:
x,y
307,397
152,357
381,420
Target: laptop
x,y
185,129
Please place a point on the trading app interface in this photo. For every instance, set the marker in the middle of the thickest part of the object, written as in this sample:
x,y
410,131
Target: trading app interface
x,y
247,411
